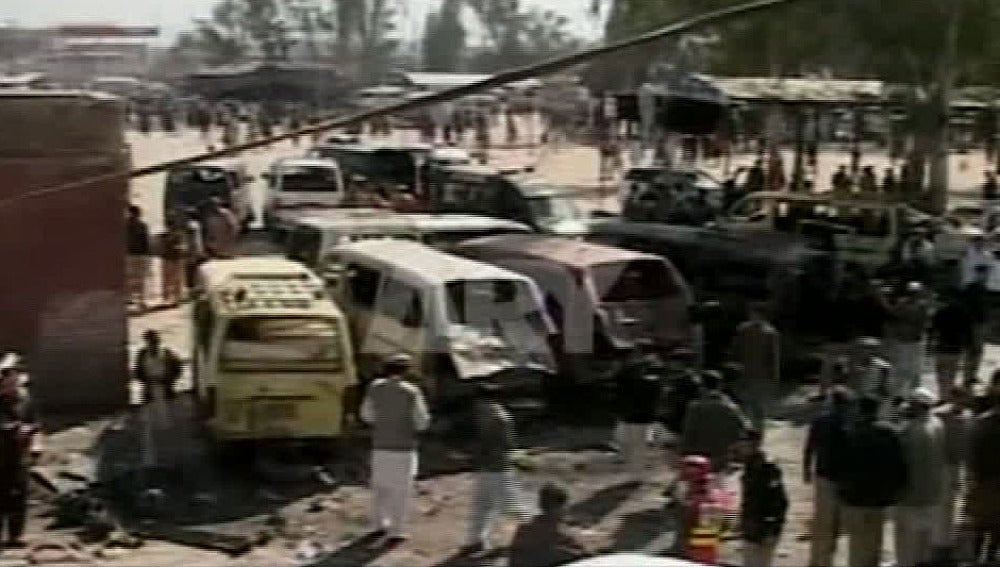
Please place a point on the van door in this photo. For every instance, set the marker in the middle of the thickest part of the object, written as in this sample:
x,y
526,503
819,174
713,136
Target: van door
x,y
358,295
398,322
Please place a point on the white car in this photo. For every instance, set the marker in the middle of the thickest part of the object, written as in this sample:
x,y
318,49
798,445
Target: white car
x,y
295,185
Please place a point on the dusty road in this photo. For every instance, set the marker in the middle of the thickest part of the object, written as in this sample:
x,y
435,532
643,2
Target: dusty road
x,y
607,514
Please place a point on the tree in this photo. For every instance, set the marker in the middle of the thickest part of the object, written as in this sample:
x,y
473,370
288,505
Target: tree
x,y
238,29
444,38
931,46
516,37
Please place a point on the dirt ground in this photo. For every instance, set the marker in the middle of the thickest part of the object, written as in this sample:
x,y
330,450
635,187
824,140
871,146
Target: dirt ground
x,y
332,512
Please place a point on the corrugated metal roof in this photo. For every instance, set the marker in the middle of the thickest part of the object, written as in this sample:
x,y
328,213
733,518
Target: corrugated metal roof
x,y
444,80
798,89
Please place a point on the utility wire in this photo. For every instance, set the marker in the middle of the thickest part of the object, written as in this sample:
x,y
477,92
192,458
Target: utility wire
x,y
505,77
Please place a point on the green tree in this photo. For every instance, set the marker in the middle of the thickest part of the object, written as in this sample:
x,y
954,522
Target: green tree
x,y
517,37
444,38
931,46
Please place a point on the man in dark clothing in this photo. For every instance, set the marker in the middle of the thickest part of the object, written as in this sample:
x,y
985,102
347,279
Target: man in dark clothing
x,y
990,188
15,444
137,261
684,388
497,487
765,502
156,367
823,445
544,542
952,333
841,182
639,389
713,424
975,297
756,178
871,478
984,480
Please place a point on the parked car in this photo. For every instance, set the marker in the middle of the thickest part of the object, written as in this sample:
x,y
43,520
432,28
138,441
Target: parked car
x,y
192,186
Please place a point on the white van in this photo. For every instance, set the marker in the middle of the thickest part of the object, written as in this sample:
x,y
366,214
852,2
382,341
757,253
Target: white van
x,y
311,237
297,184
459,319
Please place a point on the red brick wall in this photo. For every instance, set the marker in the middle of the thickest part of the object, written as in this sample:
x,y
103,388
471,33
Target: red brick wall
x,y
62,253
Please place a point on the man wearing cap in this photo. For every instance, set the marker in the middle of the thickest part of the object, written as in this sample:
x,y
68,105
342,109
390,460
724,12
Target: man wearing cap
x,y
397,412
497,489
925,451
909,317
758,348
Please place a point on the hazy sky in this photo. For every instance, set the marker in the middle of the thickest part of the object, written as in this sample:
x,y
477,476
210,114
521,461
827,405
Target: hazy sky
x,y
175,15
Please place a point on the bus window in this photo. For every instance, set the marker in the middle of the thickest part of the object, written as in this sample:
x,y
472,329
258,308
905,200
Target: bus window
x,y
280,339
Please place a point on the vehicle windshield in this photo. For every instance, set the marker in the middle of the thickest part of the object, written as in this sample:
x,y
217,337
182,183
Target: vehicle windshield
x,y
381,165
491,305
560,207
194,186
309,179
254,341
635,280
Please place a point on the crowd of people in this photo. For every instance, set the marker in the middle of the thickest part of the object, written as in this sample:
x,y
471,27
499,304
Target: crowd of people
x,y
191,237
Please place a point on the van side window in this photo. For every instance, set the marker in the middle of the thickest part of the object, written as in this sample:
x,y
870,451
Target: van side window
x,y
363,283
402,302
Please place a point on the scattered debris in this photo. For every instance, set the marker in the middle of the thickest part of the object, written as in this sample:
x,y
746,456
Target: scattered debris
x,y
51,553
307,551
232,545
276,521
324,476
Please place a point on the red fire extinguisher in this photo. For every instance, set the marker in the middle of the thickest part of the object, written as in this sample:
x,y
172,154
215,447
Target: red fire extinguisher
x,y
703,514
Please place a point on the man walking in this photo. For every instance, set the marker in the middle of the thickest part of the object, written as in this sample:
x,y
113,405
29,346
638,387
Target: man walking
x,y
758,348
924,446
713,424
871,479
821,458
137,261
908,320
639,389
952,332
984,482
496,487
397,412
765,503
956,416
15,447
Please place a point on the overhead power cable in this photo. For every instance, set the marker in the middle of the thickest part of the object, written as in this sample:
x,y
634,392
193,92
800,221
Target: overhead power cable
x,y
503,78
